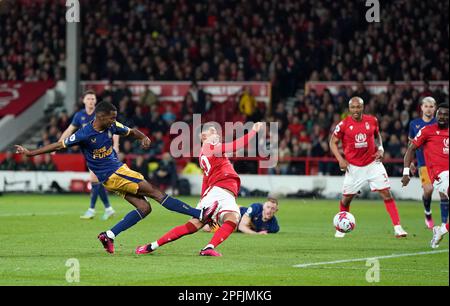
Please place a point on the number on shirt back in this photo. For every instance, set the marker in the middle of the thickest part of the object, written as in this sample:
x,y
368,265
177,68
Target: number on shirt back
x,y
204,163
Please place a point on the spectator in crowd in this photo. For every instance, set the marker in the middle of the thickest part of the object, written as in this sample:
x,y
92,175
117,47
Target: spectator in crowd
x,y
26,164
140,164
44,163
157,145
166,173
247,103
9,163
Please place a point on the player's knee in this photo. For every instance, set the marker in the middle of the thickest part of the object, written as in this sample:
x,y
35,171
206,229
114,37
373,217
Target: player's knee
x,y
145,208
428,190
232,217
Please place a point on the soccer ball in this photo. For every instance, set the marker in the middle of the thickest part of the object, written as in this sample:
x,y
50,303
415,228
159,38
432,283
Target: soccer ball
x,y
344,222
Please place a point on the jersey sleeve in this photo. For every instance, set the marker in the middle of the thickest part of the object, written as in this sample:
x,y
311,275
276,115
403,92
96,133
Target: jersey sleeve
x,y
421,137
411,133
74,139
252,210
238,143
76,121
377,126
339,130
120,129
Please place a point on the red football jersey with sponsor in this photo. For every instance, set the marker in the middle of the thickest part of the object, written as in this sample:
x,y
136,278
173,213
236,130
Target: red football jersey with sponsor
x,y
358,139
435,148
217,168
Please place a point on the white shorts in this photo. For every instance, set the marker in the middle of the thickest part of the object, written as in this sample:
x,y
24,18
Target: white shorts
x,y
227,203
441,184
356,178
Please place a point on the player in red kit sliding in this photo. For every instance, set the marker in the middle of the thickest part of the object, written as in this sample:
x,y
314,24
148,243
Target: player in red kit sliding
x,y
434,141
363,150
220,187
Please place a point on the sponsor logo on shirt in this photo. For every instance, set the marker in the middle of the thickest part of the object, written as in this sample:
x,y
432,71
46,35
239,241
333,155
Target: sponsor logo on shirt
x,y
102,153
361,141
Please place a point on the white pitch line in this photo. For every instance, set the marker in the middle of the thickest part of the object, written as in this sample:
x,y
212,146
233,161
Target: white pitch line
x,y
365,259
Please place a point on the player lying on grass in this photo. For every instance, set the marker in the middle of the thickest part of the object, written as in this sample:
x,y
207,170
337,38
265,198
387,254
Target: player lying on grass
x,y
81,119
95,141
220,187
363,150
257,219
433,139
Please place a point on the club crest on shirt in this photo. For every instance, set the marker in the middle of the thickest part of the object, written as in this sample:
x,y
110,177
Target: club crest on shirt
x,y
417,126
367,126
446,146
351,127
361,141
109,134
93,140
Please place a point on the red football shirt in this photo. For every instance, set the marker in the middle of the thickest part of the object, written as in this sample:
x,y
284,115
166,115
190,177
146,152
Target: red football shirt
x,y
217,168
435,148
358,139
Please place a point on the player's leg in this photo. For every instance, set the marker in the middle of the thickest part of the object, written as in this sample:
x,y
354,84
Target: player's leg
x,y
353,182
142,210
192,226
228,217
444,208
379,181
392,210
427,194
441,185
149,190
97,190
439,231
229,225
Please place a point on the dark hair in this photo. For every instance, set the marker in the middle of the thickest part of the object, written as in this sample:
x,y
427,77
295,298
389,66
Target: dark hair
x,y
105,107
443,105
88,92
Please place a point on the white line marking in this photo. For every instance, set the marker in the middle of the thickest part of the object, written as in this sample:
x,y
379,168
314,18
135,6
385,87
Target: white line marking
x,y
365,259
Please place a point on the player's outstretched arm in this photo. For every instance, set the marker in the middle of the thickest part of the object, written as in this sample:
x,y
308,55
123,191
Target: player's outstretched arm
x,y
136,134
69,131
45,149
334,141
244,226
243,141
409,156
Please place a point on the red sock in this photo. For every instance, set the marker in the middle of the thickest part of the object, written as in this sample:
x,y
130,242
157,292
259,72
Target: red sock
x,y
342,207
391,207
223,233
446,226
176,233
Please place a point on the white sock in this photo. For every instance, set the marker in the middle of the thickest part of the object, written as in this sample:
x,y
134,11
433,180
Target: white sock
x,y
154,245
92,210
110,235
109,209
444,228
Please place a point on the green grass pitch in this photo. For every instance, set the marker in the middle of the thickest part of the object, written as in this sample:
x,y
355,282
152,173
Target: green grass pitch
x,y
39,233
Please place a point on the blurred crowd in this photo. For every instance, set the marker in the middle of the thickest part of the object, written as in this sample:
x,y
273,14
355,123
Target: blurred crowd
x,y
285,42
304,128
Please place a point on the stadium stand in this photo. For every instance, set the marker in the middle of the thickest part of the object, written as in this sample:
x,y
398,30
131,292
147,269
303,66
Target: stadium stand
x,y
287,43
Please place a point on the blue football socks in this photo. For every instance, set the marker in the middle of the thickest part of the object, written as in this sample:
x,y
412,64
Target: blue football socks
x,y
180,207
